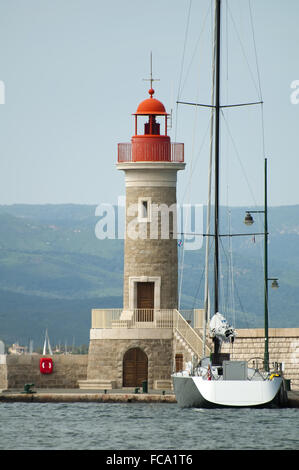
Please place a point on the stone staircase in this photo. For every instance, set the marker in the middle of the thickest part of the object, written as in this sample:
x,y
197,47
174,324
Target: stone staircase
x,y
190,339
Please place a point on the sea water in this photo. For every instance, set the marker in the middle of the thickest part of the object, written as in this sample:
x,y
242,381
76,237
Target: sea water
x,y
134,426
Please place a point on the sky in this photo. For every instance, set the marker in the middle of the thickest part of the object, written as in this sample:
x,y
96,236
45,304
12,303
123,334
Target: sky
x,y
71,75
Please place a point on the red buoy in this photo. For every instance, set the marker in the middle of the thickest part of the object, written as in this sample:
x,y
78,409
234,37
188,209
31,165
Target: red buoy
x,y
46,365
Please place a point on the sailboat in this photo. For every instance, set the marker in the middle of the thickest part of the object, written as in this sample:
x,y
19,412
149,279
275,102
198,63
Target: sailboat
x,y
47,345
218,381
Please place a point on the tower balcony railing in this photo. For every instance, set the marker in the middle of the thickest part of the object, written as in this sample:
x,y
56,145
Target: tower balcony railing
x,y
132,318
150,318
152,153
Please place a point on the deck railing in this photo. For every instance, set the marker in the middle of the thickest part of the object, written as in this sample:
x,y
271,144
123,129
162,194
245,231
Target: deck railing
x,y
150,318
152,152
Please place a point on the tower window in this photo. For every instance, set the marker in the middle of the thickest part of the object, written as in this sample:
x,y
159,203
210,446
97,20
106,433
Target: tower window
x,y
144,209
144,212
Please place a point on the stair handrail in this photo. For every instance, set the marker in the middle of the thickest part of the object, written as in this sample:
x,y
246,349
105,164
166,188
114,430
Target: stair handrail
x,y
189,335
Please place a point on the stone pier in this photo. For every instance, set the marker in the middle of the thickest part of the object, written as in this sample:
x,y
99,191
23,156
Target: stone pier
x,y
283,348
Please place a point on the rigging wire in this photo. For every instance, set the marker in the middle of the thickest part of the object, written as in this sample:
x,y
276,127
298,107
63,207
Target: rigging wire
x,y
196,47
255,50
188,187
242,167
195,297
198,154
192,167
238,155
186,220
182,65
236,289
262,111
242,48
228,296
176,120
230,286
231,270
257,87
184,48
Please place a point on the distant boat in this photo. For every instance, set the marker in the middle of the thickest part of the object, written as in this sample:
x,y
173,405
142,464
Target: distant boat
x,y
47,343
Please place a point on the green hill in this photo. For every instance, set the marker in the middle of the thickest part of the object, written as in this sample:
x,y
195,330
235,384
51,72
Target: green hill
x,y
53,270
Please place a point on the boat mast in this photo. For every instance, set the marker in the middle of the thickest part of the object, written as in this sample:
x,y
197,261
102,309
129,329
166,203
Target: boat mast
x,y
217,146
212,126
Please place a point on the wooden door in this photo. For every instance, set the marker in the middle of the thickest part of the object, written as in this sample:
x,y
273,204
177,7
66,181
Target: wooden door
x,y
179,363
135,368
145,301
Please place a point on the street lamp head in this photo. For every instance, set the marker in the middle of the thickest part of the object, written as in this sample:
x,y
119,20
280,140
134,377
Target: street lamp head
x,y
248,219
274,284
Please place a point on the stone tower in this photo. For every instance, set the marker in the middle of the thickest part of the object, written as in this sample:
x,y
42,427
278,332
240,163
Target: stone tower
x,y
150,163
144,341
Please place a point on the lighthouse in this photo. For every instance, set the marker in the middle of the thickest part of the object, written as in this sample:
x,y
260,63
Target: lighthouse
x,y
150,163
147,339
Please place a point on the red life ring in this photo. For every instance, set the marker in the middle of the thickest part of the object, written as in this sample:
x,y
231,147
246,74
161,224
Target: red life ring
x,y
46,365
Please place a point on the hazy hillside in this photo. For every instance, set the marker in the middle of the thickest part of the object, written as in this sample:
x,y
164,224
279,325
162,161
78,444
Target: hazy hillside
x,y
53,270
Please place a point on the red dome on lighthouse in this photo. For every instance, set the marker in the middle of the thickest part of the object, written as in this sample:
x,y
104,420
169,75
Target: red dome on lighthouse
x,y
151,106
151,145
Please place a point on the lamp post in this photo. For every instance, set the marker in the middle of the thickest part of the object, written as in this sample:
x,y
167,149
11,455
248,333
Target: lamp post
x,y
249,221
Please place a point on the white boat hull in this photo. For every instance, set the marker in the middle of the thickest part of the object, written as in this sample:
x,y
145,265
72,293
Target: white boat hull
x,y
196,392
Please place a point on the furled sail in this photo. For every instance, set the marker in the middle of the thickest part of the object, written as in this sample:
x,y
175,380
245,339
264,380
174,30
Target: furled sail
x,y
220,328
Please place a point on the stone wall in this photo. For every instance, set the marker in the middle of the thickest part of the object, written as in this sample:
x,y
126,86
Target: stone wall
x,y
152,257
283,348
3,377
22,369
179,348
106,359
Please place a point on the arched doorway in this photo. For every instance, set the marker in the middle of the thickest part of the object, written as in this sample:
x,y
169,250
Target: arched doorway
x,y
135,368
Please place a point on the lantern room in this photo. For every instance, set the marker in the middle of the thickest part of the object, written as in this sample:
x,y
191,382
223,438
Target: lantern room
x,y
151,143
151,107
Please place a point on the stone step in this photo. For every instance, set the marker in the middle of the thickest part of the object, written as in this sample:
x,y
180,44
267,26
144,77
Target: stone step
x,y
96,384
185,345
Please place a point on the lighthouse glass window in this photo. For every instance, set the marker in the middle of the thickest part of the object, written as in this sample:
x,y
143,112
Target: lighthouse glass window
x,y
144,209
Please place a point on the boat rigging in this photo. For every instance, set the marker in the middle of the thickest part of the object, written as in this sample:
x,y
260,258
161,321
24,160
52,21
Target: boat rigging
x,y
219,381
